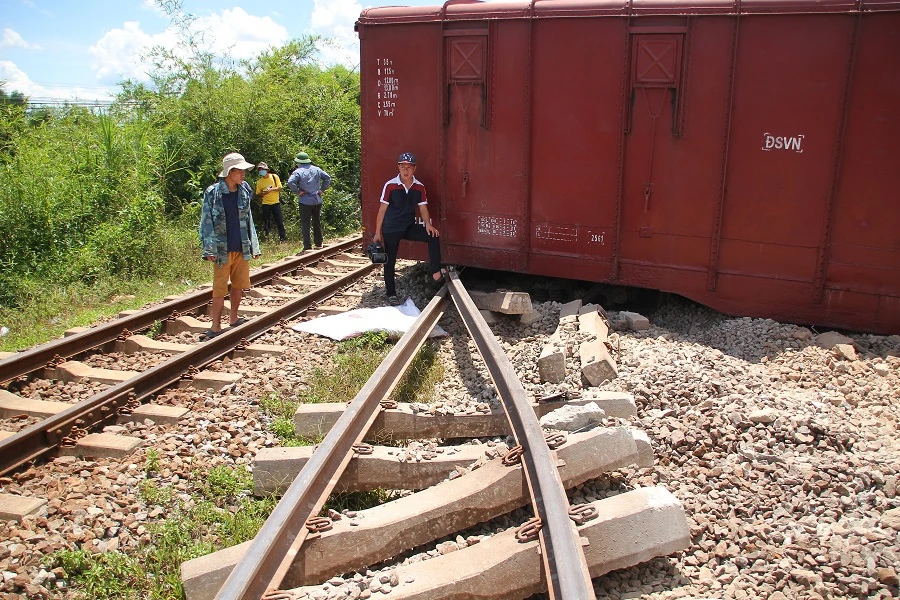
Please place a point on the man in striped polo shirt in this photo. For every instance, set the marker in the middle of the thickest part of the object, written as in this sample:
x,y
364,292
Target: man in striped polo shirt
x,y
397,221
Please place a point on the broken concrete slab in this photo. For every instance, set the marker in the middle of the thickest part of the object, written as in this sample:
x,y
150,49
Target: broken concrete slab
x,y
215,380
593,322
830,339
631,528
275,468
635,321
510,303
597,365
314,420
615,404
387,530
573,418
552,364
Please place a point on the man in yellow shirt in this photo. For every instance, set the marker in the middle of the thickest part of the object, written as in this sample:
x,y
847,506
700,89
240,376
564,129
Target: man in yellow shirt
x,y
268,187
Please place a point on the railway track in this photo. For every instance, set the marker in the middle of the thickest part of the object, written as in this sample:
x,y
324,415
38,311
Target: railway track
x,y
754,489
66,425
558,548
295,546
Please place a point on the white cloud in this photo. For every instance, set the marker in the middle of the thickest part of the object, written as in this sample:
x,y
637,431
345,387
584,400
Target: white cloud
x,y
120,53
240,34
18,81
11,38
334,19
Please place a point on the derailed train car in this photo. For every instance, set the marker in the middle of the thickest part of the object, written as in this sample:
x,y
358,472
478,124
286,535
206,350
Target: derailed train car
x,y
740,153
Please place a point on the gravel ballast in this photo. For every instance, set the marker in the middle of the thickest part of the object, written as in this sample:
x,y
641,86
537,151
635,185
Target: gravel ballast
x,y
783,453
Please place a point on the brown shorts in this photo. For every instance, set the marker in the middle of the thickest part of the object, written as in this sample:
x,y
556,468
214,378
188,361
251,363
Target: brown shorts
x,y
237,269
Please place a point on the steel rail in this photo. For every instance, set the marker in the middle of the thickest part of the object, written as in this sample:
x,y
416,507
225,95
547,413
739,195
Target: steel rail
x,y
567,572
36,358
41,438
270,556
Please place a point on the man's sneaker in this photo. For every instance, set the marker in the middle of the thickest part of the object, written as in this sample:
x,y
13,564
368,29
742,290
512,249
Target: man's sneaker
x,y
393,300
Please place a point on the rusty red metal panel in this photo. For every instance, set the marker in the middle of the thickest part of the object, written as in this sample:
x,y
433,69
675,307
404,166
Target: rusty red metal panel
x,y
671,183
485,159
865,242
580,73
786,120
656,60
399,102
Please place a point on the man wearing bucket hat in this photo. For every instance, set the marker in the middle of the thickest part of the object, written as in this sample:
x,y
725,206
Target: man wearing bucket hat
x,y
267,187
309,181
228,237
396,221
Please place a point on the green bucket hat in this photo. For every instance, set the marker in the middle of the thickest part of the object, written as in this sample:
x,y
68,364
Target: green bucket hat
x,y
302,157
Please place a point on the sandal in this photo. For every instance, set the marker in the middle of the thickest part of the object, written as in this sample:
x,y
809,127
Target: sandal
x,y
240,321
210,334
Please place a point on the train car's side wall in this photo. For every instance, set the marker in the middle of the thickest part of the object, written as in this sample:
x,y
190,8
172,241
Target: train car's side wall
x,y
742,161
401,109
863,258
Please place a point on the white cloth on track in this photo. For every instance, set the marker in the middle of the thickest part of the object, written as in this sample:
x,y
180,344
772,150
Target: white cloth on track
x,y
393,319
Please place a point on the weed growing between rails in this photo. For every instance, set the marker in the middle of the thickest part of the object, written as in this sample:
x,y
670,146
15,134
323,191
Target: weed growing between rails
x,y
355,361
219,512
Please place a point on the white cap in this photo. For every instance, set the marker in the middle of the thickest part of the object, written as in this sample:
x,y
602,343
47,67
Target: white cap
x,y
232,161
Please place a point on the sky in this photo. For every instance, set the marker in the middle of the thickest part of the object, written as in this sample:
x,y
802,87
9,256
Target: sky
x,y
68,50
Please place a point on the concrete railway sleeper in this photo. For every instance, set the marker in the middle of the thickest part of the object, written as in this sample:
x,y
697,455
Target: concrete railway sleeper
x,y
562,547
63,424
272,551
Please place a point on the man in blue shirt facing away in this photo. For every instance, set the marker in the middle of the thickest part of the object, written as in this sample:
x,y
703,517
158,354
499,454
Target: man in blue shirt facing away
x,y
309,181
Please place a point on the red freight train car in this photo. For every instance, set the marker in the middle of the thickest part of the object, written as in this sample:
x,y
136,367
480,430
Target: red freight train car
x,y
741,153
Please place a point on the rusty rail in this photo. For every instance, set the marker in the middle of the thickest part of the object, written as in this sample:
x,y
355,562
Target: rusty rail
x,y
564,561
36,358
264,566
39,439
